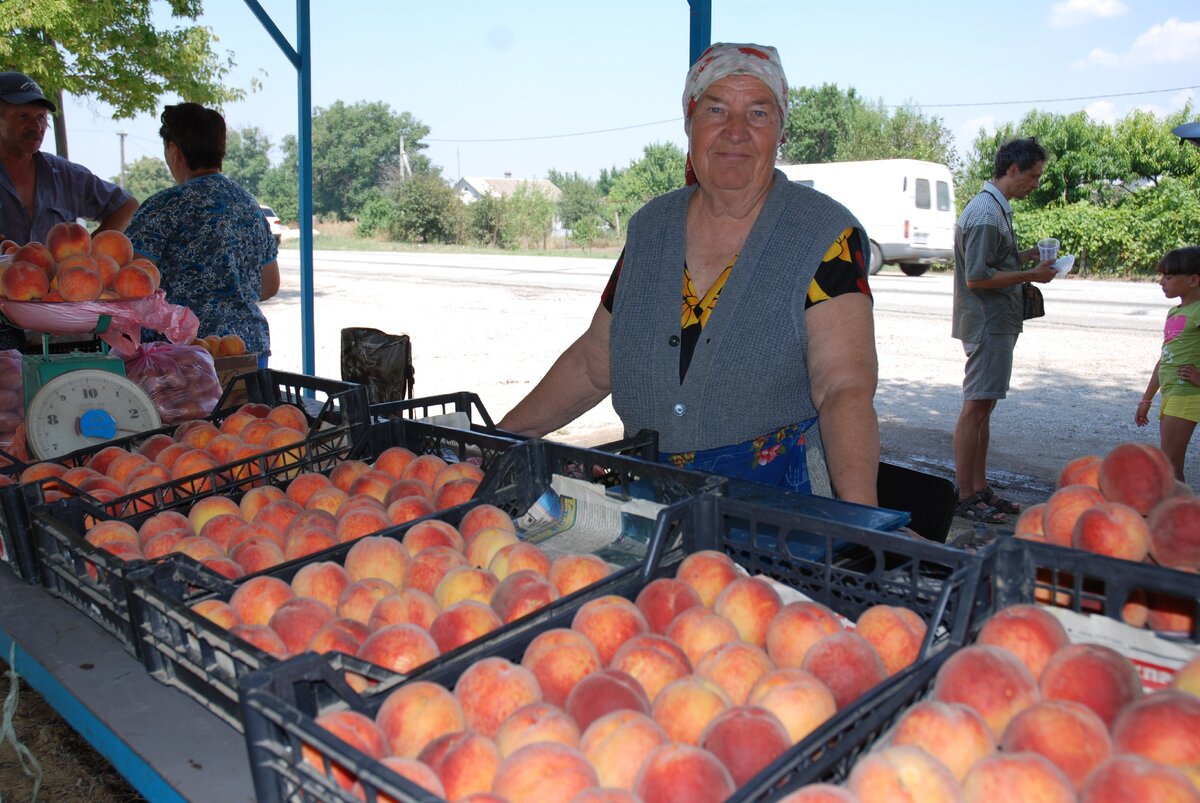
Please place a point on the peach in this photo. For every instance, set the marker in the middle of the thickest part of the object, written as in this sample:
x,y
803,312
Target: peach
x,y
902,772
257,599
708,572
324,581
736,667
415,714
107,532
378,556
220,529
359,502
465,763
297,620
454,493
547,772
255,499
226,567
394,460
372,483
559,658
424,468
462,623
66,239
80,283
465,582
134,281
653,661
675,772
103,484
406,606
403,488
1069,734
218,612
953,733
345,472
432,532
991,680
1130,777
1097,676
339,635
750,604
799,700
1080,471
795,628
430,565
356,730
698,630
1168,613
261,637
197,436
235,422
522,593
169,455
846,663
113,244
1187,679
617,743
35,253
490,689
746,739
1064,508
400,648
355,524
408,508
304,485
199,548
24,281
662,599
819,793
1030,523
486,543
251,530
164,542
570,573
602,692
257,554
198,464
417,772
1175,533
536,722
1113,529
288,415
1138,475
1016,778
278,513
482,517
305,541
456,472
520,556
121,466
108,269
685,707
319,519
1163,727
101,460
608,622
1028,632
895,633
359,598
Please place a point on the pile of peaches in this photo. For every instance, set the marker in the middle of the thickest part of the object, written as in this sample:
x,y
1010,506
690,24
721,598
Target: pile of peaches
x,y
684,693
72,265
1025,715
221,345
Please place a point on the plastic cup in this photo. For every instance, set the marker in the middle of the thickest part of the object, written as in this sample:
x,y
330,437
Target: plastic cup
x,y
1048,248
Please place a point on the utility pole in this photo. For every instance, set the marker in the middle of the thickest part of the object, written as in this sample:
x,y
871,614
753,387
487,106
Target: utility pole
x,y
122,135
405,166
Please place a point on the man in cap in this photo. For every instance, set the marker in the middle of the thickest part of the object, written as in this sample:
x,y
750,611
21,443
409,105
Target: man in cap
x,y
38,190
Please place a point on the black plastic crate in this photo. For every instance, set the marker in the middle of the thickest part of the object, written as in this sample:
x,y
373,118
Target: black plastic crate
x,y
14,549
467,405
279,705
1017,570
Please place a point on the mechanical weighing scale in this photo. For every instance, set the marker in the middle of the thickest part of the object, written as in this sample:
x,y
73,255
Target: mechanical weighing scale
x,y
77,400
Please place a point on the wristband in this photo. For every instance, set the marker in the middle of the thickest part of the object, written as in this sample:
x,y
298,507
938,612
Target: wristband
x,y
1143,401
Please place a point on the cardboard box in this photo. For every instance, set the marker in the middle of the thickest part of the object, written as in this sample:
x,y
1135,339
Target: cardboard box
x,y
230,367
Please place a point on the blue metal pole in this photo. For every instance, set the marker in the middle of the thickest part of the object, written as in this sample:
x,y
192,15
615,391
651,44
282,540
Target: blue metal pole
x,y
304,113
701,28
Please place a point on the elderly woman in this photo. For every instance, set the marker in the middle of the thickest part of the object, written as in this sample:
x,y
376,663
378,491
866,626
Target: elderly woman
x,y
776,382
207,235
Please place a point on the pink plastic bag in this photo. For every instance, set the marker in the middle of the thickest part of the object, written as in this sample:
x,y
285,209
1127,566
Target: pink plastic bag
x,y
181,380
12,398
124,334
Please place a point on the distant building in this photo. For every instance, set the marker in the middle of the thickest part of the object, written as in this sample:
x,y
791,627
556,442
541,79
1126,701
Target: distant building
x,y
471,188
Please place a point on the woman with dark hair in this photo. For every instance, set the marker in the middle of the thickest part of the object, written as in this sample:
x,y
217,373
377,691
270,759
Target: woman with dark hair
x,y
207,235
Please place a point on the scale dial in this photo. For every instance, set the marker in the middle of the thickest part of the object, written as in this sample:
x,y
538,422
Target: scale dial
x,y
80,409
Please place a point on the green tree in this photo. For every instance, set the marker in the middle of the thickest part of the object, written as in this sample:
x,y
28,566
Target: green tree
x,y
115,53
427,210
529,218
485,220
354,149
246,158
146,176
280,186
904,134
661,169
1149,151
819,120
581,205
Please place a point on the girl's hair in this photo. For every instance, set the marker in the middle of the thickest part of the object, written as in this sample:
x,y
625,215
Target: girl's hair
x,y
1181,262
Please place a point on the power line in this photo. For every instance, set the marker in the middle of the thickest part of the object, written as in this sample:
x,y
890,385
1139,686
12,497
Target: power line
x,y
564,136
1040,100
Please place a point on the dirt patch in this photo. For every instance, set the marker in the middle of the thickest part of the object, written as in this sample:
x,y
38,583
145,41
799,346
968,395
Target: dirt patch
x,y
71,769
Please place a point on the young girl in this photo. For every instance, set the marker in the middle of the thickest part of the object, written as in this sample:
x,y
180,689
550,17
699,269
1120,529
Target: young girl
x,y
1177,373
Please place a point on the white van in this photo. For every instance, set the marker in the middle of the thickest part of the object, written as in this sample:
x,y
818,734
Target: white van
x,y
906,206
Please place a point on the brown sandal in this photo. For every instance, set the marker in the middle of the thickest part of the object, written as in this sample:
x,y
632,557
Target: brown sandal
x,y
991,499
976,508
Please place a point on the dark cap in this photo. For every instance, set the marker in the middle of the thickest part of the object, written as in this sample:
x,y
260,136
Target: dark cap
x,y
18,88
1188,132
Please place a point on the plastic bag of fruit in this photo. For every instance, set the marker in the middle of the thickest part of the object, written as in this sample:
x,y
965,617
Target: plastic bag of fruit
x,y
12,399
180,380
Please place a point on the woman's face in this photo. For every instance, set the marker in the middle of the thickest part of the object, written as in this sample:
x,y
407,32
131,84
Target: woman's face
x,y
734,135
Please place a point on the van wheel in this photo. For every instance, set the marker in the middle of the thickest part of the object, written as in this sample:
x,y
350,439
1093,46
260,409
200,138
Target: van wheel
x,y
913,270
876,258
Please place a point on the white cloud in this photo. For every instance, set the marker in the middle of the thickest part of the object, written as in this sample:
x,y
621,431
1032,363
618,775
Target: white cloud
x,y
1098,57
1170,42
1076,12
1102,111
969,130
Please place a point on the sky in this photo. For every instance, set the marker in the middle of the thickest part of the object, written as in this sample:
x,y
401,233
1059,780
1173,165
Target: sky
x,y
528,86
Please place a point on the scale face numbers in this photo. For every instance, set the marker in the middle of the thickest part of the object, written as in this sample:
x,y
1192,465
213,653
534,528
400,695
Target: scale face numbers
x,y
83,408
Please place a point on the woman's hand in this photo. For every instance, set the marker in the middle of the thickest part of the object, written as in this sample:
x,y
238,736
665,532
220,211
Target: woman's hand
x,y
1190,373
1141,415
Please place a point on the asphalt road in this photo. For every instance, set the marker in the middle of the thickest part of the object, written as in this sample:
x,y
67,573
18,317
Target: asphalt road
x,y
493,325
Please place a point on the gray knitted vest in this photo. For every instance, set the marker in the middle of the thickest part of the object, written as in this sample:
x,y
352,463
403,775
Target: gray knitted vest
x,y
749,373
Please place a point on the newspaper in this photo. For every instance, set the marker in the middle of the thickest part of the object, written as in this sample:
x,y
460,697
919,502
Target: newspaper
x,y
575,516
